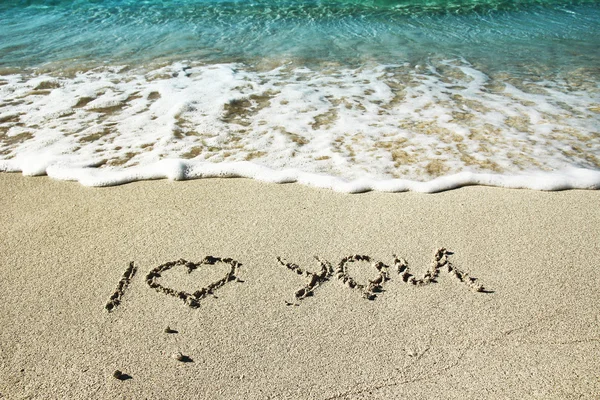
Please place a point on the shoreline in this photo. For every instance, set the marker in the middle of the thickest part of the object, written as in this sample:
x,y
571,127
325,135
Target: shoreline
x,y
570,178
532,334
390,128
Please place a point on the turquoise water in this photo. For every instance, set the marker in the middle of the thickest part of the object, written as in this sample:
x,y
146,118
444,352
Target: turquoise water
x,y
352,95
495,33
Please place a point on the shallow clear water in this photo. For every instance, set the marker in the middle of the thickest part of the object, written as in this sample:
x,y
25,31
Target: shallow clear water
x,y
493,32
336,91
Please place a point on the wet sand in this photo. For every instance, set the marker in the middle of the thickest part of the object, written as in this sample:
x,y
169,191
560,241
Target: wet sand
x,y
510,310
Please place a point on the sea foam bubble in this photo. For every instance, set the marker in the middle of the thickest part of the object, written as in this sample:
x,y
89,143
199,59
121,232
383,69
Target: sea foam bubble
x,y
425,128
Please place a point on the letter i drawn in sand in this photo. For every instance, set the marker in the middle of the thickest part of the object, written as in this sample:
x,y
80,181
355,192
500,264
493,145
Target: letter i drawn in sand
x,y
115,298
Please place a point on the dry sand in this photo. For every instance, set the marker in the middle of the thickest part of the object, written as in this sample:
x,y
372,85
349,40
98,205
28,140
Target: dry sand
x,y
534,333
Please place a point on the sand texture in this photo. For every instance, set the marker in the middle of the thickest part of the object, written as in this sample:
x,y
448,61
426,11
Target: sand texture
x,y
236,289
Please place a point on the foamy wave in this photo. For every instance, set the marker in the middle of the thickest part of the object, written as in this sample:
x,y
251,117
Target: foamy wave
x,y
423,128
571,178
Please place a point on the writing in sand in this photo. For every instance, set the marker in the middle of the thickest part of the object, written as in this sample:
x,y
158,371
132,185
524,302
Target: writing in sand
x,y
315,280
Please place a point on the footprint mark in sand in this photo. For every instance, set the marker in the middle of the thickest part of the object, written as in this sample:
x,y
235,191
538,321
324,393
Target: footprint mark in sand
x,y
192,299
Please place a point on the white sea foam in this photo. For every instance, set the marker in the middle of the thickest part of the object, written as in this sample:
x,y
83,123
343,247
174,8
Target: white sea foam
x,y
387,128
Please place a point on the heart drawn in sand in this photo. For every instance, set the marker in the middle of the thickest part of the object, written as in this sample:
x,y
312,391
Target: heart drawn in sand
x,y
193,299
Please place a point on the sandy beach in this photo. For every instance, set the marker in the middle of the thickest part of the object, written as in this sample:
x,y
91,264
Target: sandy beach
x,y
525,327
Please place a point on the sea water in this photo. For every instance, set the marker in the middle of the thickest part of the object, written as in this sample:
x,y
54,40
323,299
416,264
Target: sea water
x,y
352,95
